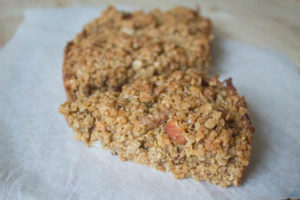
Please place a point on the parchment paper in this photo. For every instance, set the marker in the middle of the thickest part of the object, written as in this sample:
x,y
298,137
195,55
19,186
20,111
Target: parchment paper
x,y
40,160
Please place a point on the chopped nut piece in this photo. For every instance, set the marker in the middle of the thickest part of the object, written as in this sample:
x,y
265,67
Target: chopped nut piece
x,y
210,124
174,132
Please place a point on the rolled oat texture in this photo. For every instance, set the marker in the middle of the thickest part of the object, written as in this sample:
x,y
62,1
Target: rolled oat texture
x,y
185,123
119,47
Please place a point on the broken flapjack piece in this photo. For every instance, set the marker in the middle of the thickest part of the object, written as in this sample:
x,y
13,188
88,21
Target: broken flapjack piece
x,y
185,123
119,47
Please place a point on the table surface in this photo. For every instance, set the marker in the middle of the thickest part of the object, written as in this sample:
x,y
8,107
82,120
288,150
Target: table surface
x,y
273,24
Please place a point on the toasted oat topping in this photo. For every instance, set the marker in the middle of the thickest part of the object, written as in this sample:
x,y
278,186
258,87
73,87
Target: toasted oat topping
x,y
119,47
185,123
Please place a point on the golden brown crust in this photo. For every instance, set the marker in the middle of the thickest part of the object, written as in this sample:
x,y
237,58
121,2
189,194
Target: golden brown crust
x,y
119,47
185,123
66,76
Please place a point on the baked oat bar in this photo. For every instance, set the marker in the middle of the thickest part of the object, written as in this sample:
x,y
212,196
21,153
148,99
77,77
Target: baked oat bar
x,y
119,47
185,123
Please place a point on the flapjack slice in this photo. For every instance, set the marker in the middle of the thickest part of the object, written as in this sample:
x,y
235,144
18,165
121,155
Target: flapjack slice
x,y
185,123
119,47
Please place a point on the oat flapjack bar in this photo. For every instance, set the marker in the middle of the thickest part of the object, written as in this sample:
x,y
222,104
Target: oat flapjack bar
x,y
185,123
119,47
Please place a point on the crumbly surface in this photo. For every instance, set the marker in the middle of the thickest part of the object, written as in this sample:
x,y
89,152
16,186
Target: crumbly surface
x,y
119,47
185,123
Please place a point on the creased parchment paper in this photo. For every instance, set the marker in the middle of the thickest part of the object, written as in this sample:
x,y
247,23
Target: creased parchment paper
x,y
40,160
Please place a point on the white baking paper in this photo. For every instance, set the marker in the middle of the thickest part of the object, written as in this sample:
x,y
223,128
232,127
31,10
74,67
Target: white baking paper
x,y
40,160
